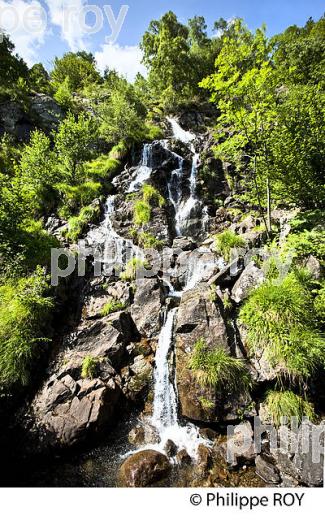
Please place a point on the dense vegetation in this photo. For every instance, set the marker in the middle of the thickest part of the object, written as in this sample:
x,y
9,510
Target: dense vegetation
x,y
269,94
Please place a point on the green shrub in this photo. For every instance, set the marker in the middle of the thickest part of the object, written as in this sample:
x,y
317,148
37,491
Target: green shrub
x,y
216,368
319,304
75,197
153,132
111,307
287,405
306,243
118,151
142,213
37,244
149,241
226,241
89,367
280,320
206,404
130,273
105,167
152,196
24,314
78,225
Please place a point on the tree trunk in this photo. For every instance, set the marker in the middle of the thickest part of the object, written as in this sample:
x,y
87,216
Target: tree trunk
x,y
269,205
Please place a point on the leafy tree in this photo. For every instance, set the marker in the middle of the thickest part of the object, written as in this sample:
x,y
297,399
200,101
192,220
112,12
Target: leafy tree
x,y
166,49
11,66
244,88
39,79
78,67
120,120
37,169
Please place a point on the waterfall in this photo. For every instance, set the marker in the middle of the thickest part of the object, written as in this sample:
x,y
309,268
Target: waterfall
x,y
165,402
165,416
183,208
107,246
144,169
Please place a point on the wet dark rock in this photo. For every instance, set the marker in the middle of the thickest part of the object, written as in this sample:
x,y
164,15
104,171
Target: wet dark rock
x,y
170,449
143,469
207,433
301,454
267,470
198,317
183,458
185,244
239,447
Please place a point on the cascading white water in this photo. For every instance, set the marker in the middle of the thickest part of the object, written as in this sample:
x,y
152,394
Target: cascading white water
x,y
144,170
165,403
112,250
183,208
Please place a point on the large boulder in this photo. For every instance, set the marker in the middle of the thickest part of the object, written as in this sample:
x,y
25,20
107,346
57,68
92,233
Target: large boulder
x,y
76,403
146,308
45,112
300,454
198,317
143,469
250,279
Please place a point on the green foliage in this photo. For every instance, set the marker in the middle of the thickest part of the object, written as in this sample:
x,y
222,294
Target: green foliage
x,y
216,368
78,67
24,313
12,68
63,96
131,268
78,225
226,241
319,304
111,307
142,213
149,241
89,367
103,167
152,196
306,243
74,197
280,320
206,404
73,145
283,406
39,79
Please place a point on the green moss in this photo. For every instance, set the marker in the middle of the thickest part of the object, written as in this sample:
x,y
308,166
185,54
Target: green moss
x,y
142,213
111,307
130,273
152,196
216,368
75,197
78,225
105,167
226,241
287,405
89,367
149,241
206,404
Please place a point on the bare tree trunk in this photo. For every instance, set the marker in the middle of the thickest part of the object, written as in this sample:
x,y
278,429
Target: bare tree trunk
x,y
269,205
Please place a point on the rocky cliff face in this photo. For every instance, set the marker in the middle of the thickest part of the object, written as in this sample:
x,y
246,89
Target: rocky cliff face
x,y
111,360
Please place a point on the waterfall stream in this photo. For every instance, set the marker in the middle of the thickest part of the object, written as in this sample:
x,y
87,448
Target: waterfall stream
x,y
116,251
